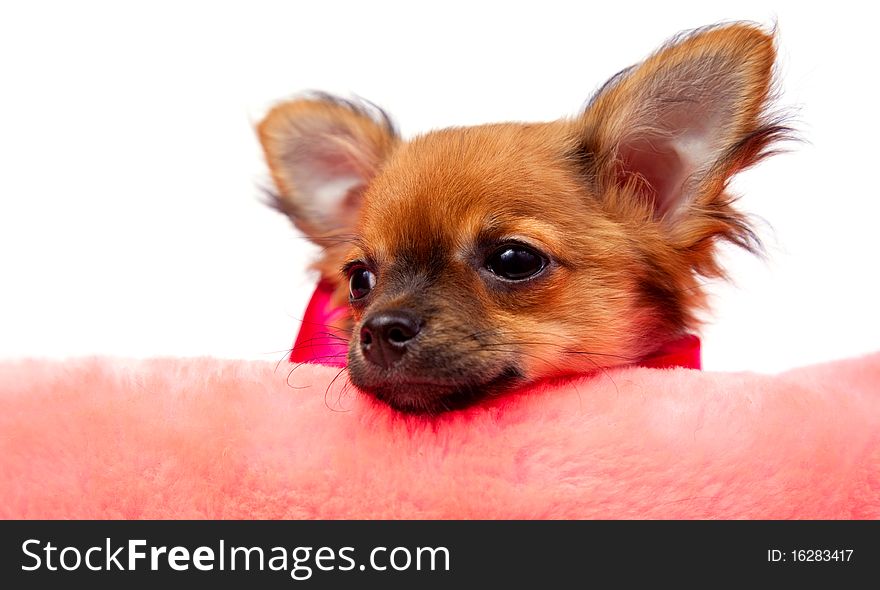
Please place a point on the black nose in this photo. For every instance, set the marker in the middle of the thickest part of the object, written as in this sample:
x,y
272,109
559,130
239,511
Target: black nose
x,y
386,336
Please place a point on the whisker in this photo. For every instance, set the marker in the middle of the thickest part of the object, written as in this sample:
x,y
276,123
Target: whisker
x,y
300,364
287,354
297,366
321,339
329,385
343,392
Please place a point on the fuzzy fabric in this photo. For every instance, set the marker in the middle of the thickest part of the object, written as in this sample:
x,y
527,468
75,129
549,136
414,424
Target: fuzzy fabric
x,y
102,438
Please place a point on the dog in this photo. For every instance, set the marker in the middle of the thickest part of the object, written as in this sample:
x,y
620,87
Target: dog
x,y
477,259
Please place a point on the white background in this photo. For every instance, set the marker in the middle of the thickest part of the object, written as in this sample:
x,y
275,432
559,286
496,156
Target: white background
x,y
130,218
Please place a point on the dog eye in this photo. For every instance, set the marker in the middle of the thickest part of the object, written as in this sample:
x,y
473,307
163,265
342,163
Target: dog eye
x,y
515,262
360,282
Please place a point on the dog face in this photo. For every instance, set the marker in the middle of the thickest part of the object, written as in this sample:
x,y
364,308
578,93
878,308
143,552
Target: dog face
x,y
475,259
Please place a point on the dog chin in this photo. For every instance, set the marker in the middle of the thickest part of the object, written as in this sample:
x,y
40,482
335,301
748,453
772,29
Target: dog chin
x,y
421,397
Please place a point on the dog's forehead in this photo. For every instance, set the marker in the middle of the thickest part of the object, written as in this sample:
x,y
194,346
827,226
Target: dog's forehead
x,y
448,186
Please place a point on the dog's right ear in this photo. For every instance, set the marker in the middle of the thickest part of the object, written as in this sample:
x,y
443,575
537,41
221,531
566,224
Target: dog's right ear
x,y
322,151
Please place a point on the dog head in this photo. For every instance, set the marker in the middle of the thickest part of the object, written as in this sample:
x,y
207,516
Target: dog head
x,y
478,258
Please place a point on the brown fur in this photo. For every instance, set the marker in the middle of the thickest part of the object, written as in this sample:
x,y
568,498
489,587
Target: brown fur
x,y
627,200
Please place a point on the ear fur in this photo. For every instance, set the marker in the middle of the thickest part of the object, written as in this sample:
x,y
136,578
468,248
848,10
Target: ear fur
x,y
664,137
322,151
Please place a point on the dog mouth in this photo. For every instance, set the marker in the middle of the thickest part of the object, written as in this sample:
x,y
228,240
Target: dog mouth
x,y
424,396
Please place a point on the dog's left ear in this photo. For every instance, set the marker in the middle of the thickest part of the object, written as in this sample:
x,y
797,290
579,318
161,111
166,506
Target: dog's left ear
x,y
669,132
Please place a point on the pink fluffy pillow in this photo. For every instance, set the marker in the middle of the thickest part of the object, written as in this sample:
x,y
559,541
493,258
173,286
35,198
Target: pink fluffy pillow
x,y
207,438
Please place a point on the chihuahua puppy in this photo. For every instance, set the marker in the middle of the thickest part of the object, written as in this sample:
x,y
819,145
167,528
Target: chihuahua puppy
x,y
477,259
